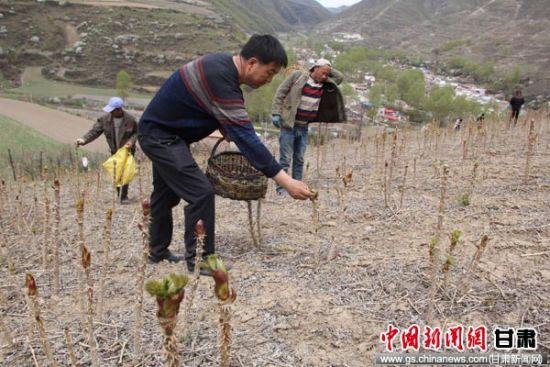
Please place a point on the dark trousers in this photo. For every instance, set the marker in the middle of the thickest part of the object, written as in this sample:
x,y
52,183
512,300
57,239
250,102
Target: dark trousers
x,y
515,115
177,176
122,192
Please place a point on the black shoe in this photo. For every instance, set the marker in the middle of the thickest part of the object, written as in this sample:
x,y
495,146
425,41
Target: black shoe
x,y
124,201
167,256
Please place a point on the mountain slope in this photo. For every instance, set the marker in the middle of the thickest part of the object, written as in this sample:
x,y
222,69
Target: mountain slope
x,y
507,33
90,44
272,15
338,10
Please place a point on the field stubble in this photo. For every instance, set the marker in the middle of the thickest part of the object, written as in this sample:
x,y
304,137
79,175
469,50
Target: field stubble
x,y
310,295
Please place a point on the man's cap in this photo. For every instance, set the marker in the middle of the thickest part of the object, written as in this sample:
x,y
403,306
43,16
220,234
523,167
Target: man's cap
x,y
321,62
114,103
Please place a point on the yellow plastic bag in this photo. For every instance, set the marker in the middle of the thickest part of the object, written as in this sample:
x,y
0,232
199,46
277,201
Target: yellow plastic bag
x,y
126,167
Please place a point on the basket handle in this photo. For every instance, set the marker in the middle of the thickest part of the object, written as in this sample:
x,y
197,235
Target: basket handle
x,y
216,146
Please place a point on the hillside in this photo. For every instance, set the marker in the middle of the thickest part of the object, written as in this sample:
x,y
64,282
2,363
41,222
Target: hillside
x,y
56,125
33,143
338,9
507,33
23,144
272,15
90,44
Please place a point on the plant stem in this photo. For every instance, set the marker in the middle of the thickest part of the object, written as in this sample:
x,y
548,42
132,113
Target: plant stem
x,y
56,236
435,250
90,310
34,307
225,335
70,350
46,229
251,224
106,260
531,138
465,287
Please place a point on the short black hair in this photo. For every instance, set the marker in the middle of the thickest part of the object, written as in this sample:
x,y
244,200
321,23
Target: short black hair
x,y
266,49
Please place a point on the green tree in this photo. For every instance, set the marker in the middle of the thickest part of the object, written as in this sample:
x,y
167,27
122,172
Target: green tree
x,y
391,92
483,72
456,62
395,55
375,94
345,65
412,87
347,90
337,46
123,84
259,101
463,107
448,46
383,92
440,102
387,73
416,94
508,82
356,59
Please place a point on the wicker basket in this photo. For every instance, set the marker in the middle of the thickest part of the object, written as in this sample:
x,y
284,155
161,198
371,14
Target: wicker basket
x,y
233,177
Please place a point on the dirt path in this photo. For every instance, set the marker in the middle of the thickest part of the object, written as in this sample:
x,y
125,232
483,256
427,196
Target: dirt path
x,y
71,35
57,125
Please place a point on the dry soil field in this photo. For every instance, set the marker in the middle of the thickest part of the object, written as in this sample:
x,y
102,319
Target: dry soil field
x,y
305,297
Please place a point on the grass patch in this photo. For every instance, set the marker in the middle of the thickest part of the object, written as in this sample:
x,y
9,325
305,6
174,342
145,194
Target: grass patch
x,y
27,145
448,46
36,85
17,137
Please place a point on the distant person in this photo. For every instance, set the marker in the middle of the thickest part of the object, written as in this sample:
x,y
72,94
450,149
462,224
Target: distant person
x,y
458,124
204,95
481,118
304,97
515,105
119,128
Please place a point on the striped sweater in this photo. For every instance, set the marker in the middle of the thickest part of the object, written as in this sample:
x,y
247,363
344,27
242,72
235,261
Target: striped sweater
x,y
309,103
201,97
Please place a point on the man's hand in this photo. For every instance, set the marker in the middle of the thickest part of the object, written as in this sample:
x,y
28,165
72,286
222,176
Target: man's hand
x,y
276,120
129,144
78,142
297,189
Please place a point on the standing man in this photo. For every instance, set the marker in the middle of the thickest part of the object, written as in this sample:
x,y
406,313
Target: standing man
x,y
304,97
515,104
199,98
119,128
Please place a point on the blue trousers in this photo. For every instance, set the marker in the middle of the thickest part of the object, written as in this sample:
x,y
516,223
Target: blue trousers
x,y
292,145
